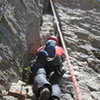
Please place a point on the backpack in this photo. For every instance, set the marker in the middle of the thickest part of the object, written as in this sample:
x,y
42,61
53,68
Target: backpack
x,y
50,48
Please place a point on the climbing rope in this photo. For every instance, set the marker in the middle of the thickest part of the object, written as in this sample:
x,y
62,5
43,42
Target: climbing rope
x,y
70,66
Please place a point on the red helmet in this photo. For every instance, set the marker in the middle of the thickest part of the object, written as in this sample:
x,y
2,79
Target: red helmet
x,y
53,38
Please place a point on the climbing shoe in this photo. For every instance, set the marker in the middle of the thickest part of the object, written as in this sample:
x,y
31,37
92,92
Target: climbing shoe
x,y
44,94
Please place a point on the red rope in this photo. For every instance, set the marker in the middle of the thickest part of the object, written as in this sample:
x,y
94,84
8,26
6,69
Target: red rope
x,y
70,66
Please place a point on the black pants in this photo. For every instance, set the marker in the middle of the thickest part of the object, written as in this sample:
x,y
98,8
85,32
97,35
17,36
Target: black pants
x,y
51,82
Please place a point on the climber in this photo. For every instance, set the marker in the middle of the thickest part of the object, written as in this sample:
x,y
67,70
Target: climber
x,y
48,70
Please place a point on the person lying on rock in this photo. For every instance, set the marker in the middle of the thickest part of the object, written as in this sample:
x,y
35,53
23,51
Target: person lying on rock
x,y
47,71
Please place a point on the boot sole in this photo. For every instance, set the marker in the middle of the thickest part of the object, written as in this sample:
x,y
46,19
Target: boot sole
x,y
45,95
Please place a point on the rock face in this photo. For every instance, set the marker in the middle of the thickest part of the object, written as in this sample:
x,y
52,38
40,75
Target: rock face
x,y
81,29
47,27
19,32
80,23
